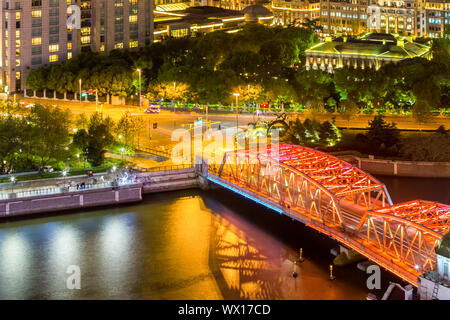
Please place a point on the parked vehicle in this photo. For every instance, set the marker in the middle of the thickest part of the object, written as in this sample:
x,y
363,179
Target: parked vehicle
x,y
153,109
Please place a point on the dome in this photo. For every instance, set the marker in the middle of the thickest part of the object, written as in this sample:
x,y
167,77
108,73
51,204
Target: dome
x,y
253,12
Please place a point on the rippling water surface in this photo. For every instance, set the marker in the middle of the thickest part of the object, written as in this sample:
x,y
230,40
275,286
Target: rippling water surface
x,y
181,245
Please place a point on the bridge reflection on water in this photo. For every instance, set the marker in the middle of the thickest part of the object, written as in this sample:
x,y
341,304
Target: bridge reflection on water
x,y
178,245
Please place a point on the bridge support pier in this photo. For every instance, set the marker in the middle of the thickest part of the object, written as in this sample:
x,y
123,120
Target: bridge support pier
x,y
347,256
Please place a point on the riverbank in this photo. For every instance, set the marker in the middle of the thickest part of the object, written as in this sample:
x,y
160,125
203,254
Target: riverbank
x,y
70,199
416,169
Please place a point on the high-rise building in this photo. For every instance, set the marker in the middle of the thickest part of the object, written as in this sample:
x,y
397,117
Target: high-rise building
x,y
343,16
115,24
437,17
397,16
295,12
35,33
420,18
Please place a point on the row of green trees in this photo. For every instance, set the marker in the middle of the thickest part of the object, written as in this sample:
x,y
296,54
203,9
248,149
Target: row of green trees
x,y
381,139
261,64
39,136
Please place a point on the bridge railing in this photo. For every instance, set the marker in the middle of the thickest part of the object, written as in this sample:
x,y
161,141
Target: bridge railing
x,y
167,168
280,183
404,241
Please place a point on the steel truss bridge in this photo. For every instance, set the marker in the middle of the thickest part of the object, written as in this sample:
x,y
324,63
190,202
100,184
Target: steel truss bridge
x,y
341,201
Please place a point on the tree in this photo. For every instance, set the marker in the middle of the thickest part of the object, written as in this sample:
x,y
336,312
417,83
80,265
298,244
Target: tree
x,y
50,128
99,138
81,139
12,135
381,136
129,128
329,134
168,90
37,79
435,147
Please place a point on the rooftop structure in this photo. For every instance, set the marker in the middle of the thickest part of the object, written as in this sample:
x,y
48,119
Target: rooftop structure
x,y
204,19
369,51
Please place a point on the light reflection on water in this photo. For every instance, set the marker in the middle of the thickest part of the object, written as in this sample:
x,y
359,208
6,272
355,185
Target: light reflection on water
x,y
182,245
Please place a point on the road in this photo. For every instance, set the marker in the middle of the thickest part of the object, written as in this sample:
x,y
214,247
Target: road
x,y
167,121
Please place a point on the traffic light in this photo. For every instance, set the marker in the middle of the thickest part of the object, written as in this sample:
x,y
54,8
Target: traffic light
x,y
155,125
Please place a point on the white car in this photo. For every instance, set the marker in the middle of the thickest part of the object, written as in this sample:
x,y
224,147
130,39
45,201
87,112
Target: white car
x,y
153,109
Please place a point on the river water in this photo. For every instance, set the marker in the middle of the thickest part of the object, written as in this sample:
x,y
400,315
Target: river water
x,y
183,245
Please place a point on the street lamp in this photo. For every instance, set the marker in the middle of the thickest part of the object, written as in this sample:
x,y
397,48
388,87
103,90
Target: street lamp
x,y
64,173
174,102
237,109
80,92
13,180
140,99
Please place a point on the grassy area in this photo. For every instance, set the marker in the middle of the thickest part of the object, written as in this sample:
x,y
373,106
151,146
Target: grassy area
x,y
109,162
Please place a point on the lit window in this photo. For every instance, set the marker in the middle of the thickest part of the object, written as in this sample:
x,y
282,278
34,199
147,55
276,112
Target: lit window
x,y
102,48
17,15
53,48
17,33
86,40
85,31
134,44
36,13
69,45
36,41
118,45
53,58
18,43
69,55
133,18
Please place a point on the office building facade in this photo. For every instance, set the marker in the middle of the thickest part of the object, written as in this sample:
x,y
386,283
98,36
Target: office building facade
x,y
415,18
36,33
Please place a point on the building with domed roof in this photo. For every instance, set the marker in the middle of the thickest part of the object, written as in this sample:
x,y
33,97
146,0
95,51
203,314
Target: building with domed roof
x,y
199,20
258,14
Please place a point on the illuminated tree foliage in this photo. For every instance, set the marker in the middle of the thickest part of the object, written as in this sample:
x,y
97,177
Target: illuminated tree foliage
x,y
209,68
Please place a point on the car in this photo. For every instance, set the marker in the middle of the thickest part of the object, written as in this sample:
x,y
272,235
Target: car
x,y
153,109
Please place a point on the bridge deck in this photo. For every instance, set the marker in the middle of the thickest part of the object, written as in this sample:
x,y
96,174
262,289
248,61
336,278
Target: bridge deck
x,y
337,199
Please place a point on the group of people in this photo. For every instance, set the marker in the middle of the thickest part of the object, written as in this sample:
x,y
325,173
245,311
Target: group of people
x,y
81,186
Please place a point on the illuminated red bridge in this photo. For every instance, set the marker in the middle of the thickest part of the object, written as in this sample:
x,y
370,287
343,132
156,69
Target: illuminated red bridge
x,y
341,201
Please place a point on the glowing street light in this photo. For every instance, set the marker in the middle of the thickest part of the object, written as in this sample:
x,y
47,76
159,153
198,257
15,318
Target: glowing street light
x,y
174,102
237,109
64,173
13,180
80,91
140,96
